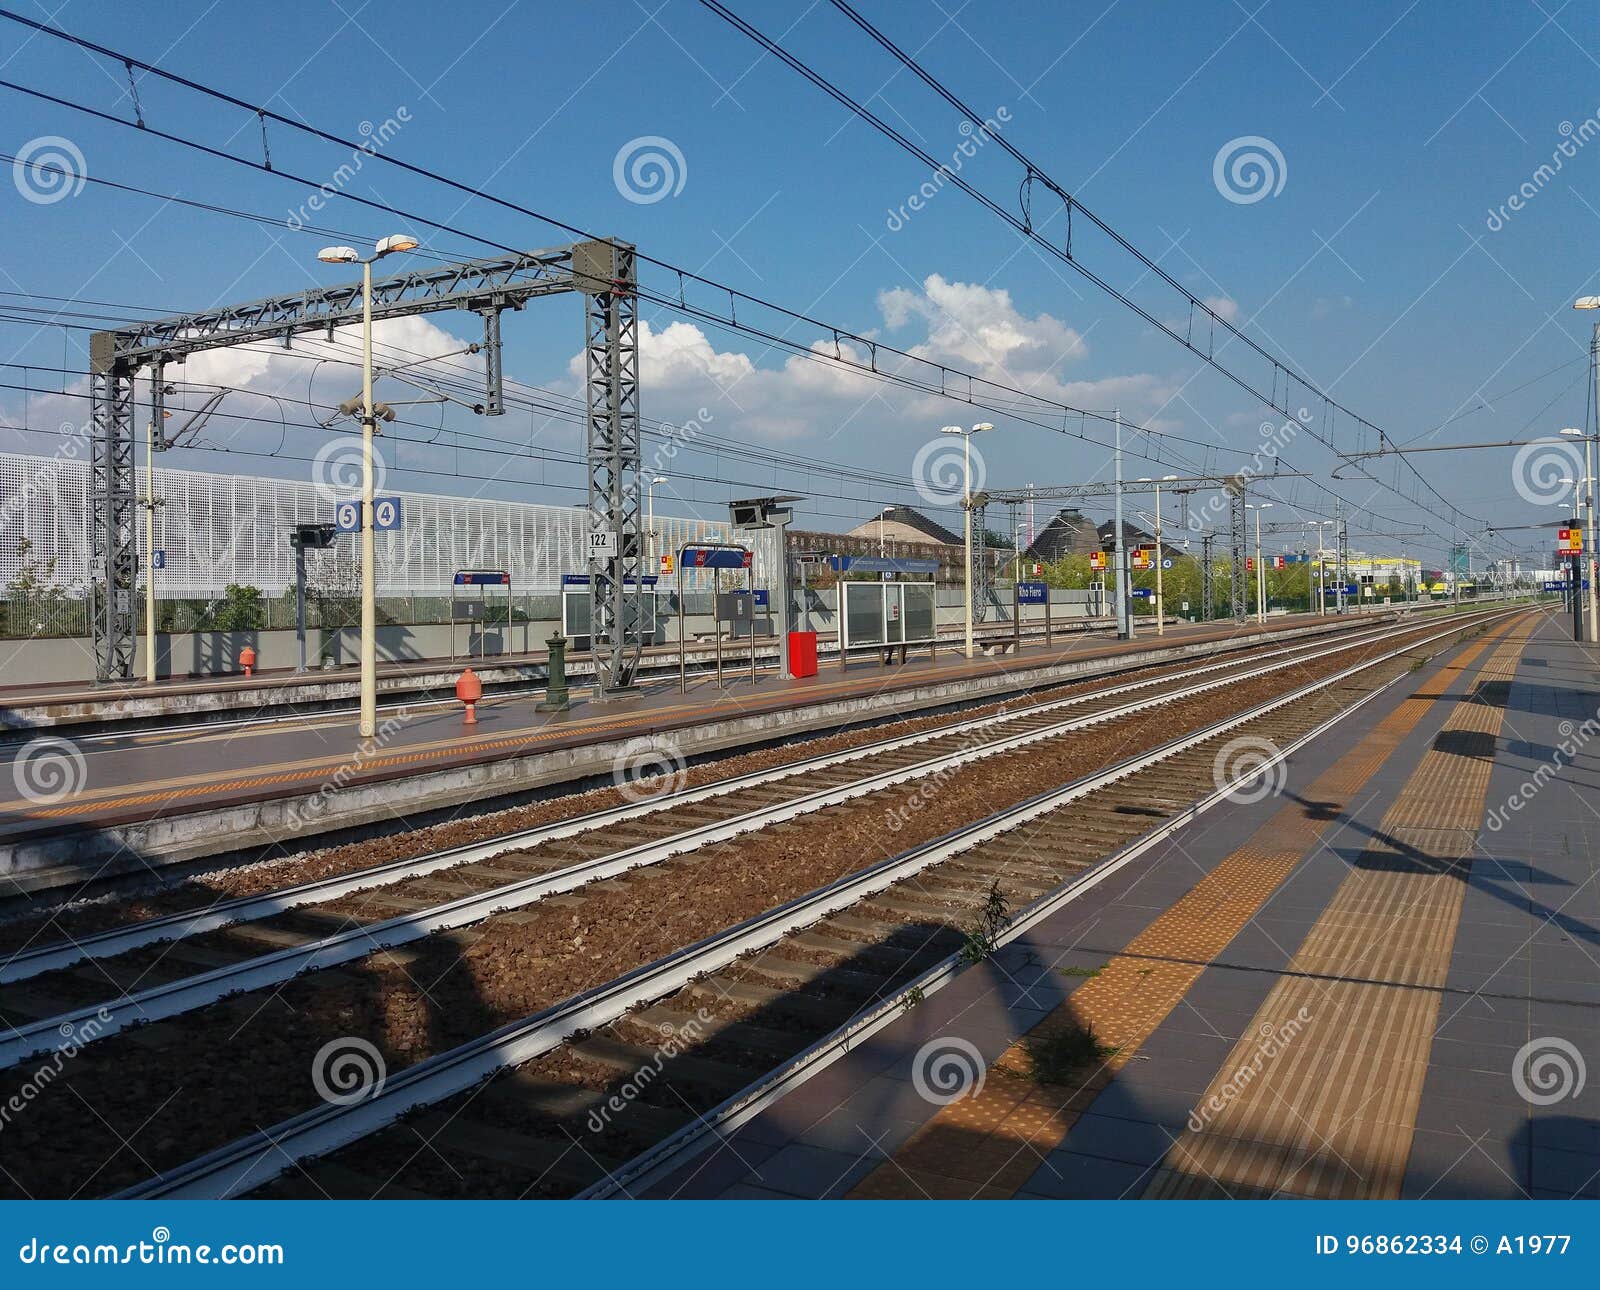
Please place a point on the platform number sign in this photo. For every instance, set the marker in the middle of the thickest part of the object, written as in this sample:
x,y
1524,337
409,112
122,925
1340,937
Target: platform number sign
x,y
385,513
158,558
347,517
602,544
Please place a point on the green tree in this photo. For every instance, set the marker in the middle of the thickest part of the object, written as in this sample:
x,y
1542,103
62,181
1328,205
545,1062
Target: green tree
x,y
241,609
35,601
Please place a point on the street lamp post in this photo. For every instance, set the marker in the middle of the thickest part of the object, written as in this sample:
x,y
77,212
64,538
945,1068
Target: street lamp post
x,y
966,509
1587,493
395,242
1322,594
1261,572
1589,560
650,519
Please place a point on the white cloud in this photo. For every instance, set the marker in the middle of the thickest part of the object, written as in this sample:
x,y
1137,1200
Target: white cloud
x,y
1225,307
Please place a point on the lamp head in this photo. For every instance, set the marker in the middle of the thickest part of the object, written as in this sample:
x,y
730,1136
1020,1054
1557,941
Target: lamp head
x,y
395,242
982,426
339,255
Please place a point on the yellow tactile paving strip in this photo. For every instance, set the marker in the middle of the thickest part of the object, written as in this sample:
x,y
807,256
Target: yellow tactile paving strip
x,y
1331,1115
987,1145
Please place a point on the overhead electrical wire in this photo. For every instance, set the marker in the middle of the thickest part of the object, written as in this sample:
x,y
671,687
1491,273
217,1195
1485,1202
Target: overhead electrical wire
x,y
1024,225
873,346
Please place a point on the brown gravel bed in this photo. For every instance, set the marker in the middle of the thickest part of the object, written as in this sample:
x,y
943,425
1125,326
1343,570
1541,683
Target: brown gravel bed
x,y
60,922
180,1087
397,1156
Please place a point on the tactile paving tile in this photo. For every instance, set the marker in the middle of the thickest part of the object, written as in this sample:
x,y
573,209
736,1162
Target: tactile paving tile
x,y
991,1143
1332,1113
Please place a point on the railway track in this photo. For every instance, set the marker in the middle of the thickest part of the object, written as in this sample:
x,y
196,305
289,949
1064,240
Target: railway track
x,y
161,968
776,984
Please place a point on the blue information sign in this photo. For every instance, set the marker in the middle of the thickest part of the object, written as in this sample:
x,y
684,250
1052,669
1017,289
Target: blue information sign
x,y
1141,593
1032,593
880,564
347,517
385,513
482,578
158,558
715,557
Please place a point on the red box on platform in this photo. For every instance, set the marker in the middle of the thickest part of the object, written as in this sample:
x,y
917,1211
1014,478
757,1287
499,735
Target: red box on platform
x,y
802,653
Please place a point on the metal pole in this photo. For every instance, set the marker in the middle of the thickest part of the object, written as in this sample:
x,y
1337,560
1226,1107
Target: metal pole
x,y
1576,575
1594,529
300,608
966,443
150,542
783,591
683,671
369,550
1124,619
1261,575
1160,603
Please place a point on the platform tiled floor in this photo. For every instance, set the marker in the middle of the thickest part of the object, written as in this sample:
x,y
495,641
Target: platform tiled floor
x,y
1523,966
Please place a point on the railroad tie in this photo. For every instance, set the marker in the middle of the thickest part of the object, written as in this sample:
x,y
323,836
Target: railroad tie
x,y
988,1144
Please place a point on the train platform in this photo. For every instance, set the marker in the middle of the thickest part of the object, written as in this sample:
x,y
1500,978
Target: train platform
x,y
1378,980
73,708
91,806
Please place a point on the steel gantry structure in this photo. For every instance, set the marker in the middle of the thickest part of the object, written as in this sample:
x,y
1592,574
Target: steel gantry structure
x,y
1233,487
602,271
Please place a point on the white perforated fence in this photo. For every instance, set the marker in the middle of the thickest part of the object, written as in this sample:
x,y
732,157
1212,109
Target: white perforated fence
x,y
220,529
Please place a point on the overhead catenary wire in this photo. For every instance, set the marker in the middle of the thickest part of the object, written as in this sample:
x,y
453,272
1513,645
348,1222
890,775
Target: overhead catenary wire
x,y
683,275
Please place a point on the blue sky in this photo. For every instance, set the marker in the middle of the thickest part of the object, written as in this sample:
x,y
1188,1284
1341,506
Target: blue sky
x,y
1377,268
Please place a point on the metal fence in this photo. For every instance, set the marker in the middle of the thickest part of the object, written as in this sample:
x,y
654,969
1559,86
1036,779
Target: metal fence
x,y
219,530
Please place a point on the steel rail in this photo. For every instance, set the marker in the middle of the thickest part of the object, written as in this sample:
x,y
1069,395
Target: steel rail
x,y
96,1021
173,927
251,1161
672,1153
